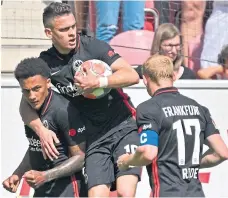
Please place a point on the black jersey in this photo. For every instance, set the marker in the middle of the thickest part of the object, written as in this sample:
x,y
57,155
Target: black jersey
x,y
106,112
55,116
182,125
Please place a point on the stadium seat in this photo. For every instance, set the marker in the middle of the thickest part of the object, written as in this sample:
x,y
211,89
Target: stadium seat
x,y
134,46
194,51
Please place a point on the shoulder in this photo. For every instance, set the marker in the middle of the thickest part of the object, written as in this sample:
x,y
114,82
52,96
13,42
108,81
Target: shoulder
x,y
47,54
92,43
59,103
148,106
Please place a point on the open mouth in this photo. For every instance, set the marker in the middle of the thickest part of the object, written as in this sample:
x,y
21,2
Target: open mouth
x,y
72,40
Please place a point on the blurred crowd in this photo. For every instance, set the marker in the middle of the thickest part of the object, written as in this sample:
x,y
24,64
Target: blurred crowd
x,y
193,33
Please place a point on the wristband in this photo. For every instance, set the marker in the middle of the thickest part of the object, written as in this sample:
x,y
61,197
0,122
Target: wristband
x,y
103,82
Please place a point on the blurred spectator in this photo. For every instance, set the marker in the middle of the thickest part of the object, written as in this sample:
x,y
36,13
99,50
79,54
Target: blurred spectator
x,y
107,13
219,71
167,41
192,13
216,34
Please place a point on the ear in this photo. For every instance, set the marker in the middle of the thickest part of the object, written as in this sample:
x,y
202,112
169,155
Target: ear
x,y
145,80
48,32
174,76
48,82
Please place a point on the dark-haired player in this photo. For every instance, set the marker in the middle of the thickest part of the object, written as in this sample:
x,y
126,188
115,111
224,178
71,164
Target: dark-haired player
x,y
114,128
173,129
61,177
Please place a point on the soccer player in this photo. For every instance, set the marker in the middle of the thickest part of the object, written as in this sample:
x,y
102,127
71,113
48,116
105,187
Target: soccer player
x,y
114,128
173,129
61,177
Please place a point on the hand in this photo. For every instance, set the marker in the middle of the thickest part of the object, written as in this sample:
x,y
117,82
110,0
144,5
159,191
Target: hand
x,y
47,140
87,82
35,179
122,162
11,183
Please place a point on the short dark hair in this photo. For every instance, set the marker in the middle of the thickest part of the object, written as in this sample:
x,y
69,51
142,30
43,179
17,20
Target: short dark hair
x,y
30,67
223,56
53,10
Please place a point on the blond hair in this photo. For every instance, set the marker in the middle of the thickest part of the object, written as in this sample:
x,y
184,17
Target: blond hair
x,y
158,67
164,32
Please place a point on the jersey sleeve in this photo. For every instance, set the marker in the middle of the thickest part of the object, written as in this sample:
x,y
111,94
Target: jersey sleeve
x,y
210,128
103,51
148,122
71,125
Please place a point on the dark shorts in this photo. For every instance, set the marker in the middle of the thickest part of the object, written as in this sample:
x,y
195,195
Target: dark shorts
x,y
64,187
102,154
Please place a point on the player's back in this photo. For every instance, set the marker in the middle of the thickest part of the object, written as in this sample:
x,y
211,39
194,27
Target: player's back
x,y
182,125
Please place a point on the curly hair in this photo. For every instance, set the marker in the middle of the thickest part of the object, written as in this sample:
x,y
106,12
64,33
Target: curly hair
x,y
30,67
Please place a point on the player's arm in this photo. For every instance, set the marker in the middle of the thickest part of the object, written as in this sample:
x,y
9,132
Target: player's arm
x,y
47,137
69,119
23,166
123,74
72,165
149,124
69,167
11,183
218,151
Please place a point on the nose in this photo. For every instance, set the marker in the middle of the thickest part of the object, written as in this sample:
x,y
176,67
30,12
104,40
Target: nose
x,y
32,96
71,32
174,50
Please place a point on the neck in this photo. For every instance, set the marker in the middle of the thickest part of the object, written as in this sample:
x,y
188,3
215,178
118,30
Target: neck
x,y
62,51
162,84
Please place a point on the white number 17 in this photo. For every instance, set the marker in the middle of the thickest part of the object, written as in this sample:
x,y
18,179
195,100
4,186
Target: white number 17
x,y
188,123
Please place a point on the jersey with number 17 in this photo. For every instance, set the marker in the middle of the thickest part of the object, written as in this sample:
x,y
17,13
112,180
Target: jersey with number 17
x,y
182,126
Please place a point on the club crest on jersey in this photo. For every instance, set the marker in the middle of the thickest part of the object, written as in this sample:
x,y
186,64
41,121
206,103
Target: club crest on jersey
x,y
45,123
76,64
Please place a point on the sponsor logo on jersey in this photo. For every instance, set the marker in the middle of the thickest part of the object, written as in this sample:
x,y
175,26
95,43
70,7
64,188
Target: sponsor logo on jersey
x,y
72,132
80,130
35,144
71,89
147,126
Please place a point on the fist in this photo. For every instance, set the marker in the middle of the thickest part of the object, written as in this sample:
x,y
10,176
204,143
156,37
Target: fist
x,y
34,178
11,183
122,162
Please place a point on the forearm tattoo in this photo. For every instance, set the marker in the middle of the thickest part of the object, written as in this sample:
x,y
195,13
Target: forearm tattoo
x,y
67,168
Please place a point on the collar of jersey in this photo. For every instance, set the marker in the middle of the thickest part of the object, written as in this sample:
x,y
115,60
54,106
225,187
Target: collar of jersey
x,y
46,103
165,90
71,53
